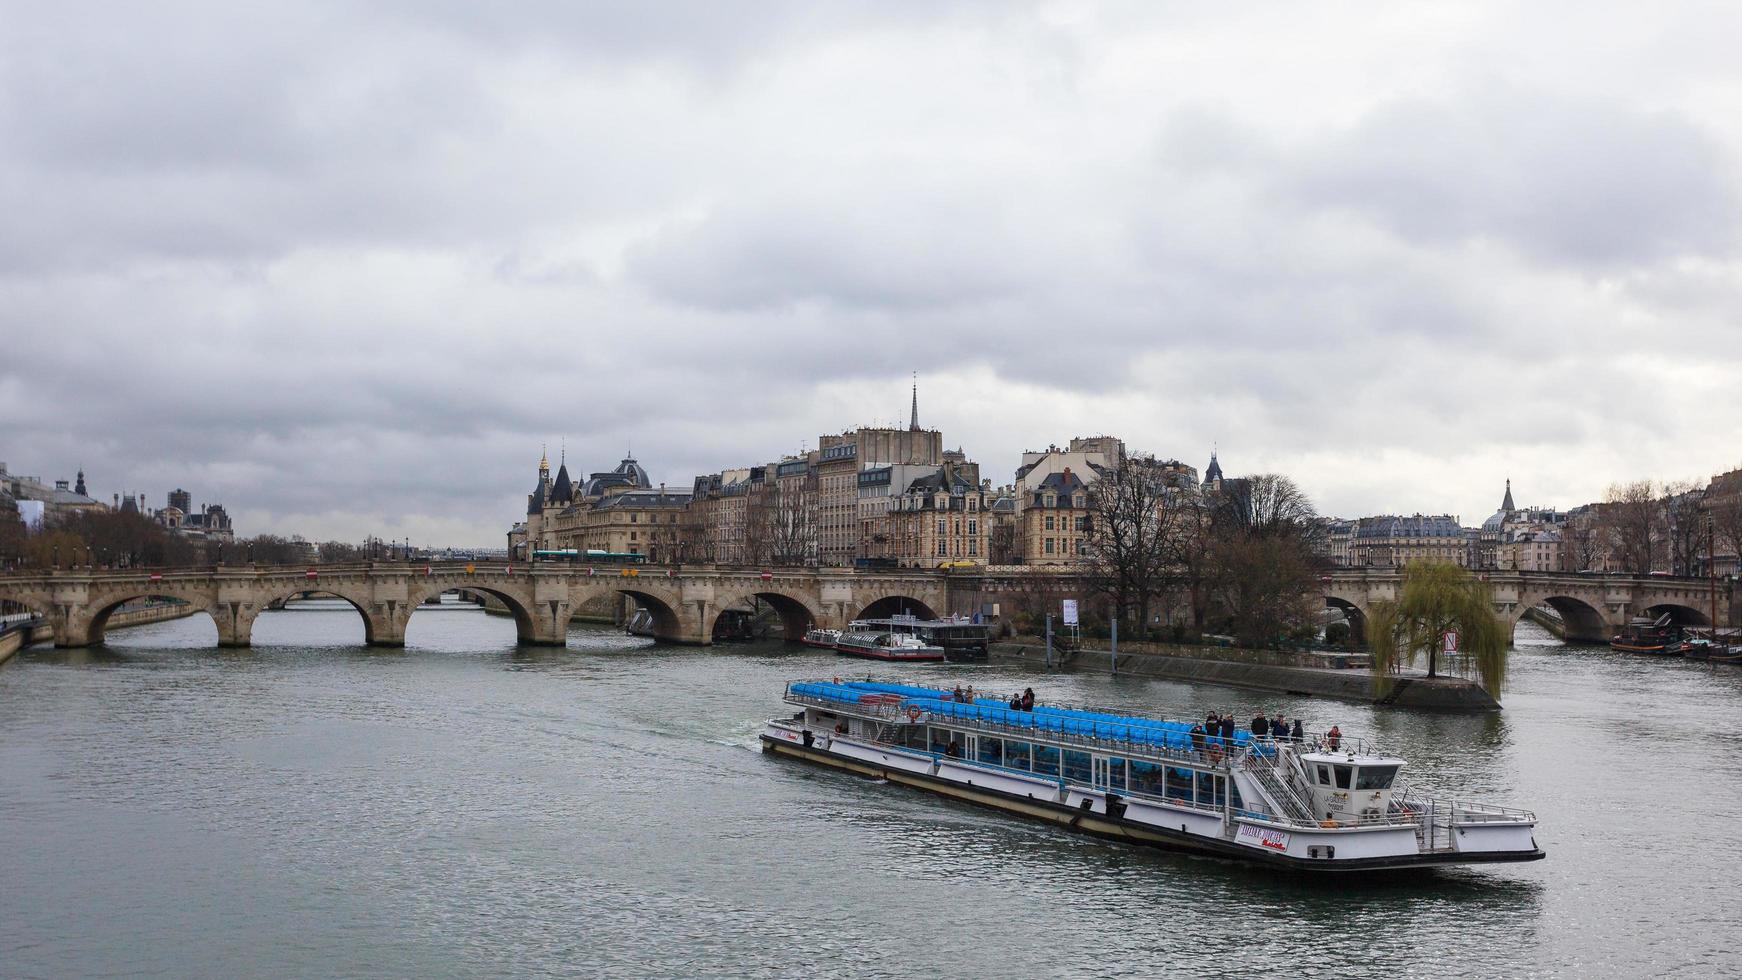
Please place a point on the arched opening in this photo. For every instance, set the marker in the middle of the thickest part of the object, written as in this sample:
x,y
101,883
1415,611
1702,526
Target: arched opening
x,y
22,615
1679,614
450,618
896,605
437,597
145,609
1353,635
745,618
654,617
306,617
1580,622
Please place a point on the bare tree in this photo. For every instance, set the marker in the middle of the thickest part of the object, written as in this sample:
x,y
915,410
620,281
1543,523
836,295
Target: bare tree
x,y
1683,526
1130,537
1263,556
788,518
1001,547
1631,523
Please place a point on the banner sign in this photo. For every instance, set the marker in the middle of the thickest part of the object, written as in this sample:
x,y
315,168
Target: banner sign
x,y
1070,609
1275,840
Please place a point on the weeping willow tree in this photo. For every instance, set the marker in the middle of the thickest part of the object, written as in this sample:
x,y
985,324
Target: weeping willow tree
x,y
1438,598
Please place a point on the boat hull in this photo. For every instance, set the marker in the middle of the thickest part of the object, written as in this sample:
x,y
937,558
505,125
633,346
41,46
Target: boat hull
x,y
1087,821
889,655
819,644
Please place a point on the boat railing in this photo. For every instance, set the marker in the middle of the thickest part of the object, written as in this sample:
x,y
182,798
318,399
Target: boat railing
x,y
1314,741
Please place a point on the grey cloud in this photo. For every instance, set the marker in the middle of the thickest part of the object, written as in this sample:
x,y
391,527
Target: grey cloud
x,y
1564,179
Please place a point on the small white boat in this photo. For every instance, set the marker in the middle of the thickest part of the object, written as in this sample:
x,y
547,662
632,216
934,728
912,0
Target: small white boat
x,y
1322,804
821,638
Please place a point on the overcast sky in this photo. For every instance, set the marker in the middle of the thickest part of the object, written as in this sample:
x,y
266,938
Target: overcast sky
x,y
345,269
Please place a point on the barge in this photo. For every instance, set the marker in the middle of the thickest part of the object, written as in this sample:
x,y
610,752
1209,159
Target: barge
x,y
1324,804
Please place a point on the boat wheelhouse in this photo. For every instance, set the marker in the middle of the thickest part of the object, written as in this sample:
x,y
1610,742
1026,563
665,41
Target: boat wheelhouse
x,y
1319,805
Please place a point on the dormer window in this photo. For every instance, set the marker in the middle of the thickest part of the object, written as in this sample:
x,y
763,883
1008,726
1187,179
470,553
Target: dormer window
x,y
1076,500
1051,500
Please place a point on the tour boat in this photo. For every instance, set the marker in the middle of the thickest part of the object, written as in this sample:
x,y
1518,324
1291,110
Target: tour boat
x,y
1321,804
821,638
864,639
1654,636
961,639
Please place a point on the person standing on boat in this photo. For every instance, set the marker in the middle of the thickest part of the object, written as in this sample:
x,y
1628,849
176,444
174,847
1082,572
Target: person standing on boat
x,y
1279,727
1260,725
1015,702
1333,737
1028,699
1228,728
1212,726
1198,739
1297,734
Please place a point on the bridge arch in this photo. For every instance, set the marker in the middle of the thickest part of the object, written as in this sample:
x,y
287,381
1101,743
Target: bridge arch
x,y
90,627
664,606
244,617
1355,614
1582,622
517,600
895,604
1680,614
797,613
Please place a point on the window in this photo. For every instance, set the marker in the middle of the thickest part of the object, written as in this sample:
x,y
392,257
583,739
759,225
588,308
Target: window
x,y
632,535
1116,774
1324,774
1082,522
1375,777
1046,760
943,549
973,526
1049,522
1077,766
941,526
973,546
1342,776
1016,755
991,750
1049,546
1082,546
633,518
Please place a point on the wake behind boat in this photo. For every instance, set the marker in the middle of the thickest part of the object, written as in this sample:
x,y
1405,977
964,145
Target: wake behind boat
x,y
1325,804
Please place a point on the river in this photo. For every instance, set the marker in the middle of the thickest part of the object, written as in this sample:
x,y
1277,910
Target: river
x,y
465,808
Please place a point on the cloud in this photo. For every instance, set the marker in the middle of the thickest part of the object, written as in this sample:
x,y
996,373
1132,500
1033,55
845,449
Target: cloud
x,y
345,270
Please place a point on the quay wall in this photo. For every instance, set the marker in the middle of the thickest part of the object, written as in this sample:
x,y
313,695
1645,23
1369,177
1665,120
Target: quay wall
x,y
1554,624
16,640
1257,670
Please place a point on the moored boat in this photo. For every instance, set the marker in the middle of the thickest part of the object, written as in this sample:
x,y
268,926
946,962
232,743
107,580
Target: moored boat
x,y
1658,637
821,638
1319,805
873,643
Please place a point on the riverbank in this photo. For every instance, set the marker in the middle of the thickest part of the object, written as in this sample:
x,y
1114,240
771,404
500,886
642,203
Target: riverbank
x,y
1260,670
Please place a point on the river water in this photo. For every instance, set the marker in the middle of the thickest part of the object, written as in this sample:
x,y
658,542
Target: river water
x,y
462,807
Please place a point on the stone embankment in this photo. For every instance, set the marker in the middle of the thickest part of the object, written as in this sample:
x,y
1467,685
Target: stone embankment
x,y
1314,674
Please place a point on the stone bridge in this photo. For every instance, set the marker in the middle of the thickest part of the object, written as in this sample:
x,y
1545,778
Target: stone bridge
x,y
684,601
1592,606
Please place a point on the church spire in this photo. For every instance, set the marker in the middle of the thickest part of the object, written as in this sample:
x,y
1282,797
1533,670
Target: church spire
x,y
1506,504
913,420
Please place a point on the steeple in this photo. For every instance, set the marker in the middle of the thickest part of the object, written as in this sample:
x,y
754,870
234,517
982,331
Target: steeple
x,y
1506,505
1213,472
79,487
913,420
543,463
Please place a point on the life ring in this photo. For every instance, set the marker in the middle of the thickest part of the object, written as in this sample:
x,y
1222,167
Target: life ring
x,y
913,713
1214,752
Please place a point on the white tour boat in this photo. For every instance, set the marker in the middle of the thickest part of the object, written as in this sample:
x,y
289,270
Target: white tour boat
x,y
1319,805
874,641
821,638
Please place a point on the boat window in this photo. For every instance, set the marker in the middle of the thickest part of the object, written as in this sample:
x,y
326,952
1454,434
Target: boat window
x,y
1234,795
1324,774
1375,777
1046,760
1207,789
1116,774
1016,755
913,736
1342,776
1146,778
940,740
992,750
1179,784
1077,766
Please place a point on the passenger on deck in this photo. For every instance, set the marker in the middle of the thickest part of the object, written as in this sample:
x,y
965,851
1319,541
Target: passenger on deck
x,y
1333,737
1260,725
1028,699
1228,728
1212,724
1278,727
959,696
1015,702
1297,734
1198,738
